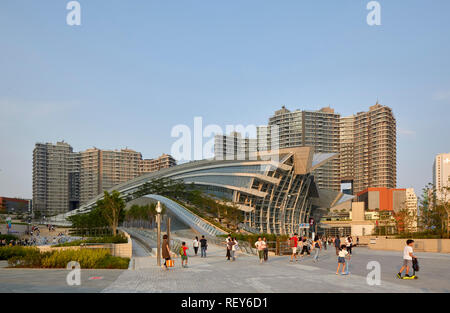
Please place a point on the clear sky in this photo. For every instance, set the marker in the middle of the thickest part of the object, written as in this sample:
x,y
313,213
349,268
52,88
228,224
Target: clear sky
x,y
135,69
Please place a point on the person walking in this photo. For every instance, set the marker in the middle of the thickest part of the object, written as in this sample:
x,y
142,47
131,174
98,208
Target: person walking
x,y
293,243
230,244
165,250
266,250
260,247
408,256
184,256
304,246
195,245
317,247
203,246
337,244
234,248
228,256
348,244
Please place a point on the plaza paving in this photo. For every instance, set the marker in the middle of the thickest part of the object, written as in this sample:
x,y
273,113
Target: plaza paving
x,y
216,274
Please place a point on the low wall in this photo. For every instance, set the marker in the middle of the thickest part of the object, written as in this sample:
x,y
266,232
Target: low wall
x,y
124,250
420,245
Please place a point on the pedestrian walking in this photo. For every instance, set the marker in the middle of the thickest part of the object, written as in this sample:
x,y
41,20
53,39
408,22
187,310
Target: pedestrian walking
x,y
230,252
337,244
293,243
228,256
203,247
195,245
348,244
408,256
266,250
317,247
165,250
231,245
184,256
304,246
260,247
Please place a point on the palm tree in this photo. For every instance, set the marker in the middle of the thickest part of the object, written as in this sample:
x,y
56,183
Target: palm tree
x,y
112,206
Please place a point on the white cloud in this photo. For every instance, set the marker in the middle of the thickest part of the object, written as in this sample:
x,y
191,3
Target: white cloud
x,y
406,132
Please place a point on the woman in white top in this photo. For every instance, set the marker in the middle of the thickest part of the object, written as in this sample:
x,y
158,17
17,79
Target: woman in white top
x,y
195,244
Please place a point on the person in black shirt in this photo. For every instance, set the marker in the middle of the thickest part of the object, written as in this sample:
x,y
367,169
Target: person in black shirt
x,y
203,246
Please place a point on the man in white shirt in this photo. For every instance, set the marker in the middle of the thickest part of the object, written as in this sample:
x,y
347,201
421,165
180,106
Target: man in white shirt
x,y
408,256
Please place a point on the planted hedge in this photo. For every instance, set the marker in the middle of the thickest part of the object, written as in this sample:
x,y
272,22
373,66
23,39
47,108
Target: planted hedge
x,y
109,239
28,257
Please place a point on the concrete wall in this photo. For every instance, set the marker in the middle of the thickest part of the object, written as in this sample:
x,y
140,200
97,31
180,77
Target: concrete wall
x,y
420,245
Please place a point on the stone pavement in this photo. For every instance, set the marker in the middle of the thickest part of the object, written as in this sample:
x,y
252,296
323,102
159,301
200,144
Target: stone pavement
x,y
216,274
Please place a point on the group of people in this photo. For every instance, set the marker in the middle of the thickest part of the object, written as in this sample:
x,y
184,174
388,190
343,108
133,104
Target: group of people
x,y
167,254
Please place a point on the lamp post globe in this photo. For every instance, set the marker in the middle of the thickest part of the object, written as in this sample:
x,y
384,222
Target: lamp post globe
x,y
158,208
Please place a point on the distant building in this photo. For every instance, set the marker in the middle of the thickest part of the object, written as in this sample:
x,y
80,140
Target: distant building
x,y
383,199
55,170
234,147
14,205
64,179
441,175
365,142
153,165
318,129
411,206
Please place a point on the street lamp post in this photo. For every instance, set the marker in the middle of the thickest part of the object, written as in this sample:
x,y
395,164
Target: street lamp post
x,y
158,219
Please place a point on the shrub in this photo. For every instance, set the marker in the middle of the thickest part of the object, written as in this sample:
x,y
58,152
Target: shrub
x,y
88,258
110,239
8,238
17,251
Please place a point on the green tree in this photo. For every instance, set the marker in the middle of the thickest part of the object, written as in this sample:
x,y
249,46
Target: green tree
x,y
112,208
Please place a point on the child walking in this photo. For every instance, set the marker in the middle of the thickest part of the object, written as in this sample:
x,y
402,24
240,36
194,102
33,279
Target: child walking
x,y
184,257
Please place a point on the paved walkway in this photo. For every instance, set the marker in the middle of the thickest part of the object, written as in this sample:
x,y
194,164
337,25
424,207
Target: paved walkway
x,y
216,274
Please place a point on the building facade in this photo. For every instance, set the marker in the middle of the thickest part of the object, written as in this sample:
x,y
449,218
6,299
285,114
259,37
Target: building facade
x,y
153,165
375,149
441,175
383,199
366,143
318,129
14,205
55,187
274,196
234,147
64,179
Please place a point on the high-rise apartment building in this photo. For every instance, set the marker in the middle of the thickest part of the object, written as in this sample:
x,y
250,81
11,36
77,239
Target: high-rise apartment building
x,y
375,149
366,144
103,169
318,129
55,186
63,179
411,206
153,165
234,147
441,175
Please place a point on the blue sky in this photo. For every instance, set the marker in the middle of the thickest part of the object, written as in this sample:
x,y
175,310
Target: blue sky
x,y
135,69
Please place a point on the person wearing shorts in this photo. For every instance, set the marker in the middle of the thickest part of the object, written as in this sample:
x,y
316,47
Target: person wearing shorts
x,y
293,242
184,257
341,259
260,246
408,255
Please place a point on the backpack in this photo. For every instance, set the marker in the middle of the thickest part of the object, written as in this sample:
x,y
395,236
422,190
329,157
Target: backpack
x,y
181,251
415,265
